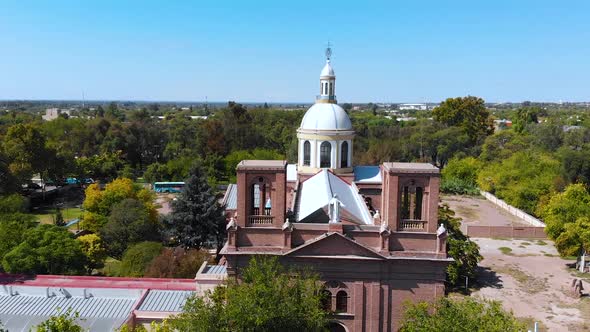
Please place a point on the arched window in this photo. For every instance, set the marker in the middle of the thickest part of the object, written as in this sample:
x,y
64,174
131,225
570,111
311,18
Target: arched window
x,y
326,300
261,203
412,196
325,154
306,153
344,155
341,301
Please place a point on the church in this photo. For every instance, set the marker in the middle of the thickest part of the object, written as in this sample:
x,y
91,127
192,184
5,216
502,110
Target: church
x,y
370,232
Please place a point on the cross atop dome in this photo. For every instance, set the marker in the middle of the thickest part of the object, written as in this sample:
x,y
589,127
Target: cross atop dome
x,y
328,52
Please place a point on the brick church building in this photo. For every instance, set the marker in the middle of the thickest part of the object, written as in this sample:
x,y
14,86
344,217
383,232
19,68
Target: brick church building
x,y
369,231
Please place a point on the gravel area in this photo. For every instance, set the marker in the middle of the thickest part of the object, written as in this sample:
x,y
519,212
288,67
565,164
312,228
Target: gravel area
x,y
478,211
530,279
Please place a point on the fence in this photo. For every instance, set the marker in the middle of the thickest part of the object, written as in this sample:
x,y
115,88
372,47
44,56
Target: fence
x,y
514,232
513,211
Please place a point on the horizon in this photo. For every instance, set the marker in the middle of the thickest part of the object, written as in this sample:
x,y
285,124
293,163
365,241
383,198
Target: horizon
x,y
183,52
139,101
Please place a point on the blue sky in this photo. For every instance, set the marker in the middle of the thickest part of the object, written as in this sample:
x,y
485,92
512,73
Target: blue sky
x,y
383,51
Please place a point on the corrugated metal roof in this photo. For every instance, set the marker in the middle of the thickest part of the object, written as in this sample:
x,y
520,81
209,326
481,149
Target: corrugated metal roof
x,y
231,197
215,269
163,300
99,309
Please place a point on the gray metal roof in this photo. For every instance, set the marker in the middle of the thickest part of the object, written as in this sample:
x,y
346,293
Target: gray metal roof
x,y
164,300
23,307
215,269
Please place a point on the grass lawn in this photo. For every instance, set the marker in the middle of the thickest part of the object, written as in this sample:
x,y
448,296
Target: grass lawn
x,y
46,216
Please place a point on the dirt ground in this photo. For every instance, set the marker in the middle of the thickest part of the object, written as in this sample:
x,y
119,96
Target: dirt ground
x,y
534,282
479,211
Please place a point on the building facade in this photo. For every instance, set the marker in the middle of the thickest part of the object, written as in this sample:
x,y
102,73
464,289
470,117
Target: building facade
x,y
369,231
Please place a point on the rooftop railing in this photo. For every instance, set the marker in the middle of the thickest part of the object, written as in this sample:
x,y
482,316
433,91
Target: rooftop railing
x,y
255,220
412,225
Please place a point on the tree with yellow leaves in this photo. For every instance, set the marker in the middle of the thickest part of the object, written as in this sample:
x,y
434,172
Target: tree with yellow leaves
x,y
93,247
98,203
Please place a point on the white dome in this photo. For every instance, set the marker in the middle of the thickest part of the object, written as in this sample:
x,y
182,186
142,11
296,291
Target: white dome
x,y
328,70
325,116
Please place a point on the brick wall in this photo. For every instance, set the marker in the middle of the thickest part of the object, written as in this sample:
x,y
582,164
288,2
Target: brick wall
x,y
527,232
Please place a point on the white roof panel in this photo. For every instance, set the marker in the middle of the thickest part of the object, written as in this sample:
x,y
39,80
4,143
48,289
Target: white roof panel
x,y
292,172
317,191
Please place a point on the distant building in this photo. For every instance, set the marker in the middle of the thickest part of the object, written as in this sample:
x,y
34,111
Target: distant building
x,y
502,124
413,107
54,113
405,119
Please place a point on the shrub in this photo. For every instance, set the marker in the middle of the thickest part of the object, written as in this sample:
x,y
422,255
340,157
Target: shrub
x,y
137,258
458,186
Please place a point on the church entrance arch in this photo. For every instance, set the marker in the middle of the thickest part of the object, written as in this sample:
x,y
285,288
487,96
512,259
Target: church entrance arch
x,y
335,326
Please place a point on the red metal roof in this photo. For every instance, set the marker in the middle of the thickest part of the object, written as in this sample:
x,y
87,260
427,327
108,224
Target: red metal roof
x,y
97,282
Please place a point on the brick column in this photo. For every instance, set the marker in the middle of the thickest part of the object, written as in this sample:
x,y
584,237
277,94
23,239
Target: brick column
x,y
433,187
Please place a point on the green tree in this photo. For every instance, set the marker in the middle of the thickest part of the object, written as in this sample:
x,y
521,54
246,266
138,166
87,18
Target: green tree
x,y
523,180
98,203
566,216
46,249
113,112
469,113
197,219
25,148
62,322
548,135
177,263
235,157
460,176
12,232
173,170
93,247
11,204
138,257
503,144
575,164
128,223
59,218
465,253
459,315
8,182
285,300
524,117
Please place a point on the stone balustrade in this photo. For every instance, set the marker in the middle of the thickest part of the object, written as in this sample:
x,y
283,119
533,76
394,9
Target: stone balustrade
x,y
259,220
411,225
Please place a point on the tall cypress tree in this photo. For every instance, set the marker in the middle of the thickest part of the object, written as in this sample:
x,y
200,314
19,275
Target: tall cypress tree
x,y
197,219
